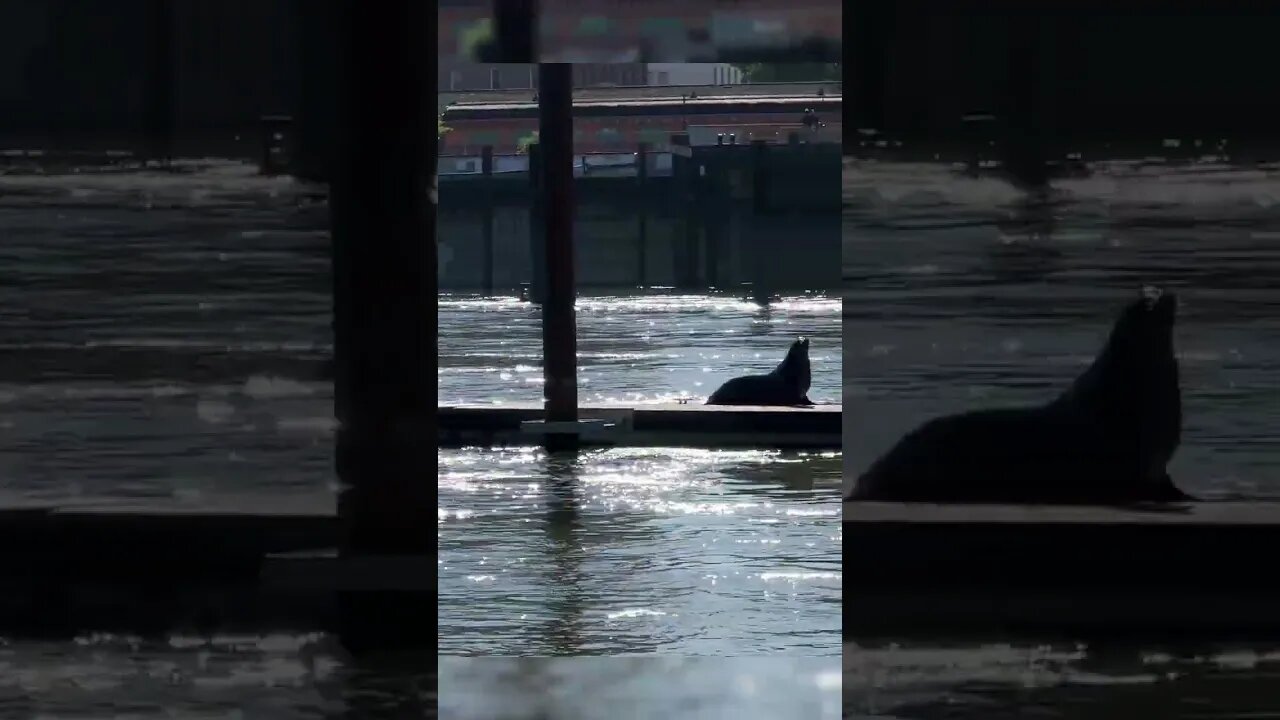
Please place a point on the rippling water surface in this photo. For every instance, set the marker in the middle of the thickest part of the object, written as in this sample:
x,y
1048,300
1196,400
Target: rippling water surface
x,y
959,294
962,293
165,336
673,551
162,335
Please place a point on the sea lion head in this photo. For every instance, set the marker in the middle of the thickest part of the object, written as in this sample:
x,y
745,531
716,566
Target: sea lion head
x,y
795,366
1133,386
1143,334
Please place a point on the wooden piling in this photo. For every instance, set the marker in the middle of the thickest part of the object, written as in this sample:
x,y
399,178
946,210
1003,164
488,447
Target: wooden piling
x,y
760,205
1024,153
537,244
515,31
161,81
642,228
486,219
714,204
874,27
559,326
276,151
684,250
384,288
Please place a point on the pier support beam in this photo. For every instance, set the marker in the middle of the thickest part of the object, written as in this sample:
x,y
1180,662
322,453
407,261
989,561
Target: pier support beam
x,y
515,31
384,290
486,217
559,326
1025,156
642,228
161,83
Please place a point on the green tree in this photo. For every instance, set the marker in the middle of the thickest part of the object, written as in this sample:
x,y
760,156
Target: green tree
x,y
789,72
522,145
476,37
441,128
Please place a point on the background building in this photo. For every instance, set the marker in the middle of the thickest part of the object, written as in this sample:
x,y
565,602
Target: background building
x,y
459,76
694,74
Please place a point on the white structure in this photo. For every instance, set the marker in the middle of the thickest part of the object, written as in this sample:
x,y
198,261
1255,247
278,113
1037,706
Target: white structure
x,y
694,74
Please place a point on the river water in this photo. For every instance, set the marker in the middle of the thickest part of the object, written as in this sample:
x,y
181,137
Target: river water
x,y
165,337
671,551
961,293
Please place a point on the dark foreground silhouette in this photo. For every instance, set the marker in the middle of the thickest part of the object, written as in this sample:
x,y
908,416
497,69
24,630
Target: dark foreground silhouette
x,y
1106,440
787,384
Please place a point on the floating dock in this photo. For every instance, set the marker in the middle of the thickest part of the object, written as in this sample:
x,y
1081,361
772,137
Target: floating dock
x,y
117,565
993,571
665,425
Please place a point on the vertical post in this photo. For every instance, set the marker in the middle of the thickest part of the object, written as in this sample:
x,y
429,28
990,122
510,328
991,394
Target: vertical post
x,y
873,26
760,205
319,30
267,164
384,291
516,30
537,246
559,327
720,172
642,231
163,67
760,175
1024,157
486,178
685,249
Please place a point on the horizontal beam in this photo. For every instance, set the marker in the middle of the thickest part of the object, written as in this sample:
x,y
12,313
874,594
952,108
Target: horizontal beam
x,y
816,427
931,571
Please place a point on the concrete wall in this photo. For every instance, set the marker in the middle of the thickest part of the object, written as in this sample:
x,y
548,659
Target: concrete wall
x,y
694,74
794,253
791,242
454,76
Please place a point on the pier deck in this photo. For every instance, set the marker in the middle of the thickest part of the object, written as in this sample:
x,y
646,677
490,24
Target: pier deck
x,y
933,571
142,566
266,564
692,425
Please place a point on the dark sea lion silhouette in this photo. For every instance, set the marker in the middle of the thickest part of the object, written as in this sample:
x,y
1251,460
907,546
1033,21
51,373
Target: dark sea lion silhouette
x,y
787,384
1105,440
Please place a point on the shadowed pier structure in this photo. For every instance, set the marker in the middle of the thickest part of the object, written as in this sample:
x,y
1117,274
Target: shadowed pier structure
x,y
111,564
994,571
384,298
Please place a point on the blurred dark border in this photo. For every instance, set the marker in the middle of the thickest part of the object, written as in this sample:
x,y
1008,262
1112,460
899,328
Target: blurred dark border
x,y
515,40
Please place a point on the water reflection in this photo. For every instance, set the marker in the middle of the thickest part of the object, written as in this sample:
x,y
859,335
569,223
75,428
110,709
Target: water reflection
x,y
563,528
236,676
639,687
926,682
636,550
671,550
645,348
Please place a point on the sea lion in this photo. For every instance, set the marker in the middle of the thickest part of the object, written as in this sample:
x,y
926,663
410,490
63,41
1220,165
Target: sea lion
x,y
1105,440
787,384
